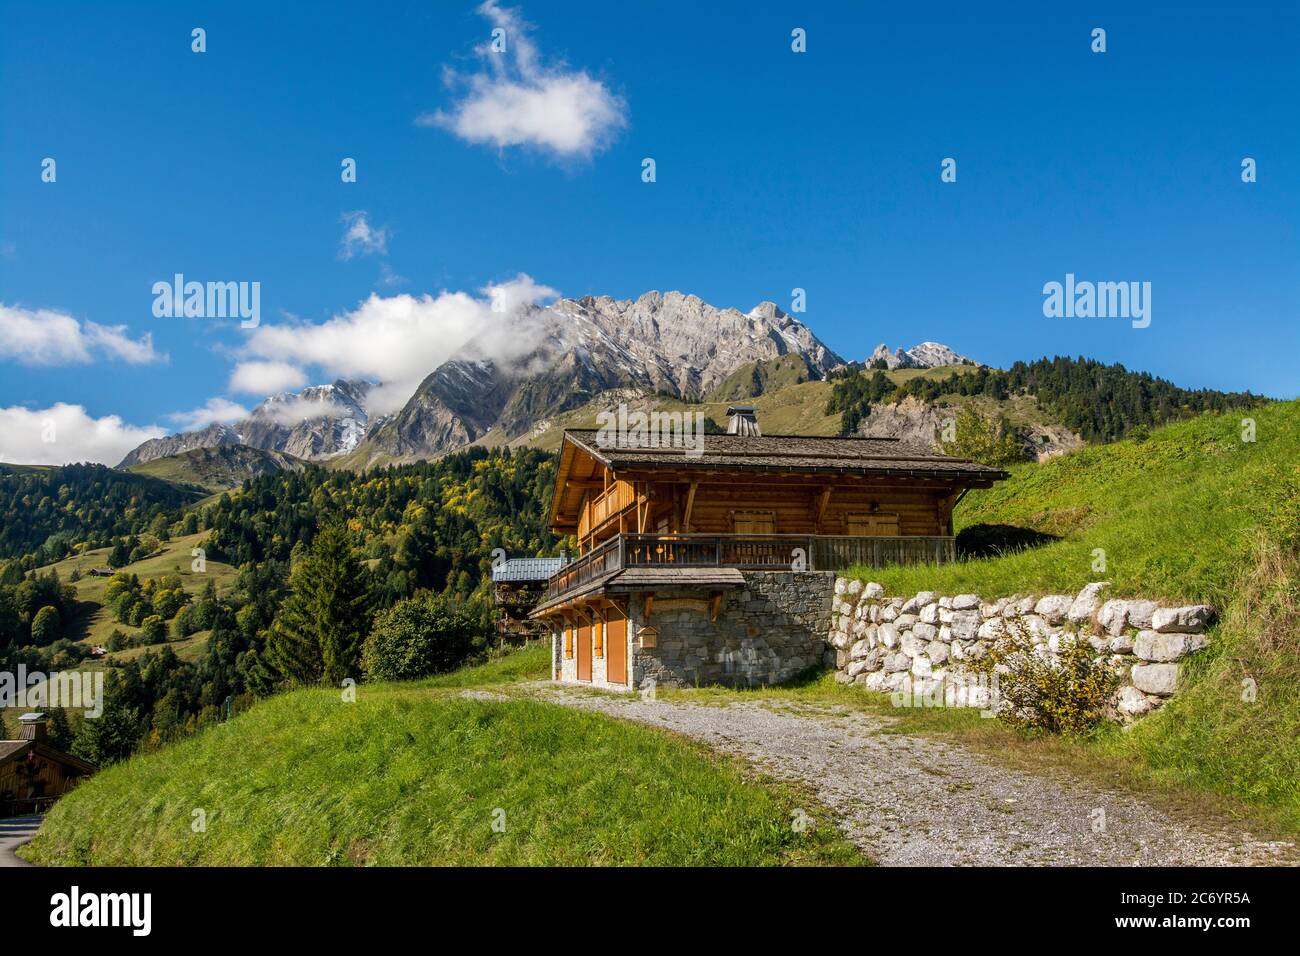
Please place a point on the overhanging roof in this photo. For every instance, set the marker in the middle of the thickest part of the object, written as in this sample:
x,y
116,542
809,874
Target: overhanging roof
x,y
629,580
583,451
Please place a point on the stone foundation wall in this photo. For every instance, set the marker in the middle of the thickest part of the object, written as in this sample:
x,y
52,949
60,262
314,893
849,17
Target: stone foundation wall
x,y
917,643
766,632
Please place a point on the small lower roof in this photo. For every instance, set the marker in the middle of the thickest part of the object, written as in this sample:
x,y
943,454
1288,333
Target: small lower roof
x,y
628,580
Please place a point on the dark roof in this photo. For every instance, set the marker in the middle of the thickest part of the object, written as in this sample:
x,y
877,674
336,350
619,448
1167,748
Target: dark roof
x,y
527,569
9,747
802,453
13,749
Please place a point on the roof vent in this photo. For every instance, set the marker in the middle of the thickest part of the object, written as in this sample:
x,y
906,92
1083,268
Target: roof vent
x,y
742,420
32,727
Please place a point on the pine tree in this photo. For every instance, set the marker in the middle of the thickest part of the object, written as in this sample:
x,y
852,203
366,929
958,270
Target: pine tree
x,y
321,627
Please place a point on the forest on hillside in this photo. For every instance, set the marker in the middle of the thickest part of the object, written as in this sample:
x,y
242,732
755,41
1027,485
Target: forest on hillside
x,y
326,560
44,511
1100,402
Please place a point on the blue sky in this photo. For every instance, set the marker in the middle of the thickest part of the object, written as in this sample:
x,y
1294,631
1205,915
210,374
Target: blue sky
x,y
775,171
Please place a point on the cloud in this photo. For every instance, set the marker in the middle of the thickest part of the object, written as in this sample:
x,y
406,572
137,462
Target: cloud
x,y
360,238
516,101
295,409
62,434
265,378
49,337
213,411
400,339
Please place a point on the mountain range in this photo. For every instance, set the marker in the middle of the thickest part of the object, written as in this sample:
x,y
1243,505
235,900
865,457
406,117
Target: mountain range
x,y
668,344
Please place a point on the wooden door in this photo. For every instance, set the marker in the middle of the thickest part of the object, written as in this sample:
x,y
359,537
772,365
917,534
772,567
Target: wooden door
x,y
616,649
584,652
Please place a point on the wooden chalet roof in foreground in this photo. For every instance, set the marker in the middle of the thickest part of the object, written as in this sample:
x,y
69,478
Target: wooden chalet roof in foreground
x,y
886,457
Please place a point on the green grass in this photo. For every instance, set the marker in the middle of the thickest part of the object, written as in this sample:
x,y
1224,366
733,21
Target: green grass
x,y
1191,514
528,664
94,622
1176,515
413,775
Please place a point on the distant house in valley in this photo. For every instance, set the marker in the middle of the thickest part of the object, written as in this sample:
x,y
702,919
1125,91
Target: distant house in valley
x,y
34,774
518,584
710,558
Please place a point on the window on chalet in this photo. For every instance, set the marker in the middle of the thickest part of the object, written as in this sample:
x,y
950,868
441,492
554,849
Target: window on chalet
x,y
568,643
753,522
873,525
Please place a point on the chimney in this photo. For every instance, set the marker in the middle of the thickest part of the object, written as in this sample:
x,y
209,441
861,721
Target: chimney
x,y
742,420
33,727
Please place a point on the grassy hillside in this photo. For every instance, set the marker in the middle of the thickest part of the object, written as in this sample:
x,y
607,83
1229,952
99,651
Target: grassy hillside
x,y
1191,513
95,622
1175,513
416,774
217,469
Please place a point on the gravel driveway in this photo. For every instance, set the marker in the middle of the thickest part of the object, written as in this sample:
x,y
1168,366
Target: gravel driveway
x,y
916,801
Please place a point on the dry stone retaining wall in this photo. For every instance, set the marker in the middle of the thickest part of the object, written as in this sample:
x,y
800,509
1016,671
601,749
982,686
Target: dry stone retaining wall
x,y
918,643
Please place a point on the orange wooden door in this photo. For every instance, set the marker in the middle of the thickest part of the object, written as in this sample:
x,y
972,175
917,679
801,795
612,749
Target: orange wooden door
x,y
616,650
584,652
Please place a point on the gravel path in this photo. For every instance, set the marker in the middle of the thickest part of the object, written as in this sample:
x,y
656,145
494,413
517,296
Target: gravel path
x,y
917,801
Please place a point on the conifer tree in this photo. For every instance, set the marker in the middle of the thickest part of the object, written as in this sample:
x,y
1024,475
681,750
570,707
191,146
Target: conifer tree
x,y
321,627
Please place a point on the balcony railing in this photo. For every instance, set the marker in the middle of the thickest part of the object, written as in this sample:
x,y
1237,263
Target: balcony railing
x,y
760,552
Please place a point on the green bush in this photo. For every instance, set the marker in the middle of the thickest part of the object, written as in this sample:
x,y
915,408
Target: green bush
x,y
1068,692
420,636
153,630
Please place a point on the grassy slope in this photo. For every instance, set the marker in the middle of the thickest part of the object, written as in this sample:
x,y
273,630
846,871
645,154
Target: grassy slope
x,y
412,775
1175,514
1191,514
215,469
95,622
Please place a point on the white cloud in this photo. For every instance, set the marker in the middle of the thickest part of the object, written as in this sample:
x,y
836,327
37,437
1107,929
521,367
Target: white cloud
x,y
213,411
516,101
296,409
361,238
49,337
265,378
400,339
62,434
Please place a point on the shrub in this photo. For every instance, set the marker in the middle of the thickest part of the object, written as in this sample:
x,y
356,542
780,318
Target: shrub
x,y
420,636
45,626
152,630
1068,692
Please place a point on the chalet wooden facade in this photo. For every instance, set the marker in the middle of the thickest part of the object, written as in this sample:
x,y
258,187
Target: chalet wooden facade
x,y
518,586
656,526
34,774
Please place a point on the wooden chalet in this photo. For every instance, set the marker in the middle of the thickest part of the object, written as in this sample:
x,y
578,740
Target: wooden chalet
x,y
518,586
34,774
652,520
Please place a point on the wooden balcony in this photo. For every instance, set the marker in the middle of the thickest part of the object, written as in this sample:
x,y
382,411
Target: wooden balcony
x,y
765,552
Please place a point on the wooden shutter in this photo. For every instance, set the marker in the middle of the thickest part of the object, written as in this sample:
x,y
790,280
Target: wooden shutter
x,y
753,522
873,525
598,636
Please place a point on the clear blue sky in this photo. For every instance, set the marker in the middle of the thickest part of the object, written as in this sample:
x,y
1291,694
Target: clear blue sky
x,y
775,170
